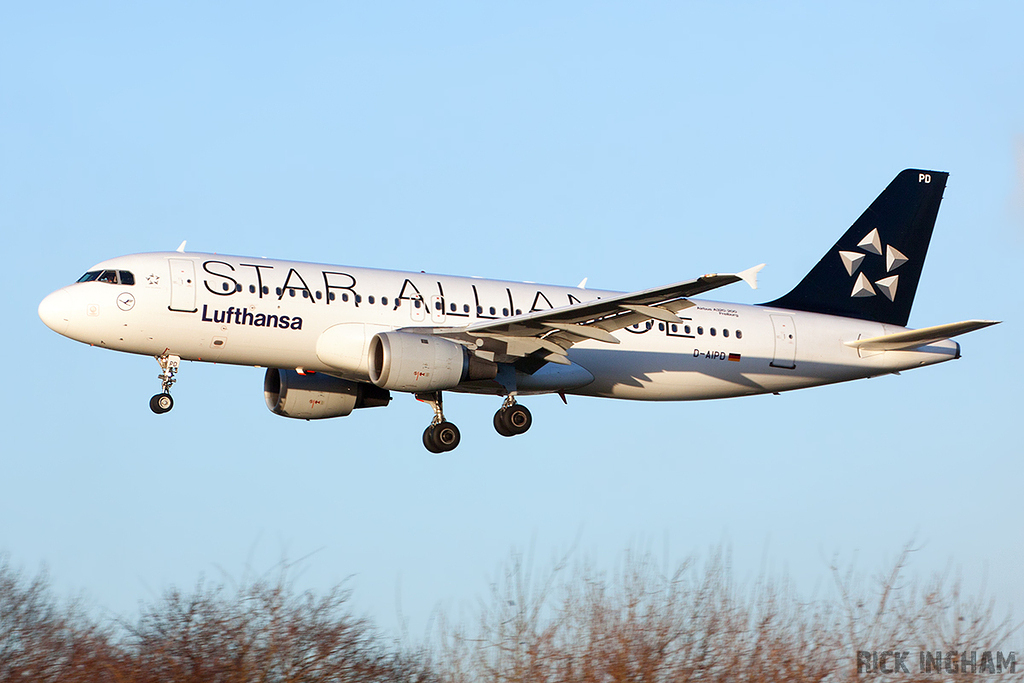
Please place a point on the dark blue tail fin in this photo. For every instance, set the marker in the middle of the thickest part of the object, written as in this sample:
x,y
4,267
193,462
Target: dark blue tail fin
x,y
872,271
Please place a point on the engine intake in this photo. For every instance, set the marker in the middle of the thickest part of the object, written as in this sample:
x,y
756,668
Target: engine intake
x,y
405,361
314,396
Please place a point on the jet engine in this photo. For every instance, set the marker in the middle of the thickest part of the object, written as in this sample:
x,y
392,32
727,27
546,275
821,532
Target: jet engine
x,y
405,361
313,396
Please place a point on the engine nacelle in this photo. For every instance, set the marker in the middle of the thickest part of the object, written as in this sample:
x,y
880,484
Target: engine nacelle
x,y
314,396
405,361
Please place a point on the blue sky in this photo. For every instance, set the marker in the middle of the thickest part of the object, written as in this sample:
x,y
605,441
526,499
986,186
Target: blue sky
x,y
633,144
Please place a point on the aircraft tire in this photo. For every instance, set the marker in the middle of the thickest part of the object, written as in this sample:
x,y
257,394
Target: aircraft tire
x,y
428,440
161,403
517,419
446,436
499,424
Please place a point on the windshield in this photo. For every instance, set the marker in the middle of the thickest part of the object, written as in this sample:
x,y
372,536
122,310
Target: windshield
x,y
113,277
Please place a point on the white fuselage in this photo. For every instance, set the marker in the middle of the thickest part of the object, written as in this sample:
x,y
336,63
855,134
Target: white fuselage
x,y
269,313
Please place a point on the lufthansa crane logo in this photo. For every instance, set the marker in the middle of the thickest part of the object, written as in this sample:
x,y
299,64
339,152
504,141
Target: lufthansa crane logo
x,y
894,258
125,301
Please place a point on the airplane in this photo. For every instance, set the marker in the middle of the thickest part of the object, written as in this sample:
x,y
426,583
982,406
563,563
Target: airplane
x,y
338,338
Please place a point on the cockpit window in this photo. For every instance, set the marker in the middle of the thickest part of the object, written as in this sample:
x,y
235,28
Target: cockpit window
x,y
109,276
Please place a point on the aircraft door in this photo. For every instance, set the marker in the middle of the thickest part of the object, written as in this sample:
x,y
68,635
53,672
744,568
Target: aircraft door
x,y
183,285
437,312
417,309
785,342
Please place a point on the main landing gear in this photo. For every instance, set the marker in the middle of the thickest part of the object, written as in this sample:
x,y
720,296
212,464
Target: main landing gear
x,y
162,402
441,436
512,419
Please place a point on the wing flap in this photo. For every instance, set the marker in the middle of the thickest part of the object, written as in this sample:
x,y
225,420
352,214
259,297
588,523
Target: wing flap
x,y
912,339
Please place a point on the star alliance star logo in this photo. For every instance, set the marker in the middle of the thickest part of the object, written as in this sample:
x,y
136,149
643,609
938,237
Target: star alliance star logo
x,y
153,279
894,258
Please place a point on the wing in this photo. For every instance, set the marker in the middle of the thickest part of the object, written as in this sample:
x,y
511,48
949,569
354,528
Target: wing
x,y
547,335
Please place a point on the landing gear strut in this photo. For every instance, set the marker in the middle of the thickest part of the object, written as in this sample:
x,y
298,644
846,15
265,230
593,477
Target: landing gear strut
x,y
441,436
162,402
512,418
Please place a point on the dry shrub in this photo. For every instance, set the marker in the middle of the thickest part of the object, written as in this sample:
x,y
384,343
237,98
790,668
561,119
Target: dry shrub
x,y
697,625
42,639
567,624
263,631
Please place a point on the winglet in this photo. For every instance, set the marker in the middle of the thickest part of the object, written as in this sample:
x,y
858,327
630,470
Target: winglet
x,y
181,247
582,284
750,275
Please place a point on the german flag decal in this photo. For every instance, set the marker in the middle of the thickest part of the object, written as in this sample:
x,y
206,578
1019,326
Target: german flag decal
x,y
734,357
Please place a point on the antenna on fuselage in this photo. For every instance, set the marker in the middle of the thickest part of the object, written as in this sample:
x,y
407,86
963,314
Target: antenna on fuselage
x,y
181,247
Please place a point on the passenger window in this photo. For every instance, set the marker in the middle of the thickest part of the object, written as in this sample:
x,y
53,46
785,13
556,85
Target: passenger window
x,y
291,291
492,310
504,312
739,335
383,301
252,289
725,333
700,330
238,287
712,332
344,296
453,307
675,328
359,299
416,302
465,308
661,327
437,305
90,276
126,277
686,329
369,299
319,295
519,311
330,296
305,294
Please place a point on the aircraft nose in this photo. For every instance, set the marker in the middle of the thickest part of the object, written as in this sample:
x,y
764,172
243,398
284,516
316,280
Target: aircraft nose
x,y
55,311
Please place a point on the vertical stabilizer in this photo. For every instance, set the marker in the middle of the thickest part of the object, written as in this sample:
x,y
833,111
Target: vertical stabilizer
x,y
872,272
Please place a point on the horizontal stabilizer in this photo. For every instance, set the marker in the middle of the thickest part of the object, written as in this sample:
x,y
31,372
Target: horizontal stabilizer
x,y
912,339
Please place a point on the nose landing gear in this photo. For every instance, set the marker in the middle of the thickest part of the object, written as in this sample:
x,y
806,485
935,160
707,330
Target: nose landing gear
x,y
512,419
162,402
441,436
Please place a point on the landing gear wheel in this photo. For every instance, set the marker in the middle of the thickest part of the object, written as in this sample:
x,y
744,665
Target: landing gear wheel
x,y
512,420
499,424
161,403
441,437
446,436
428,440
